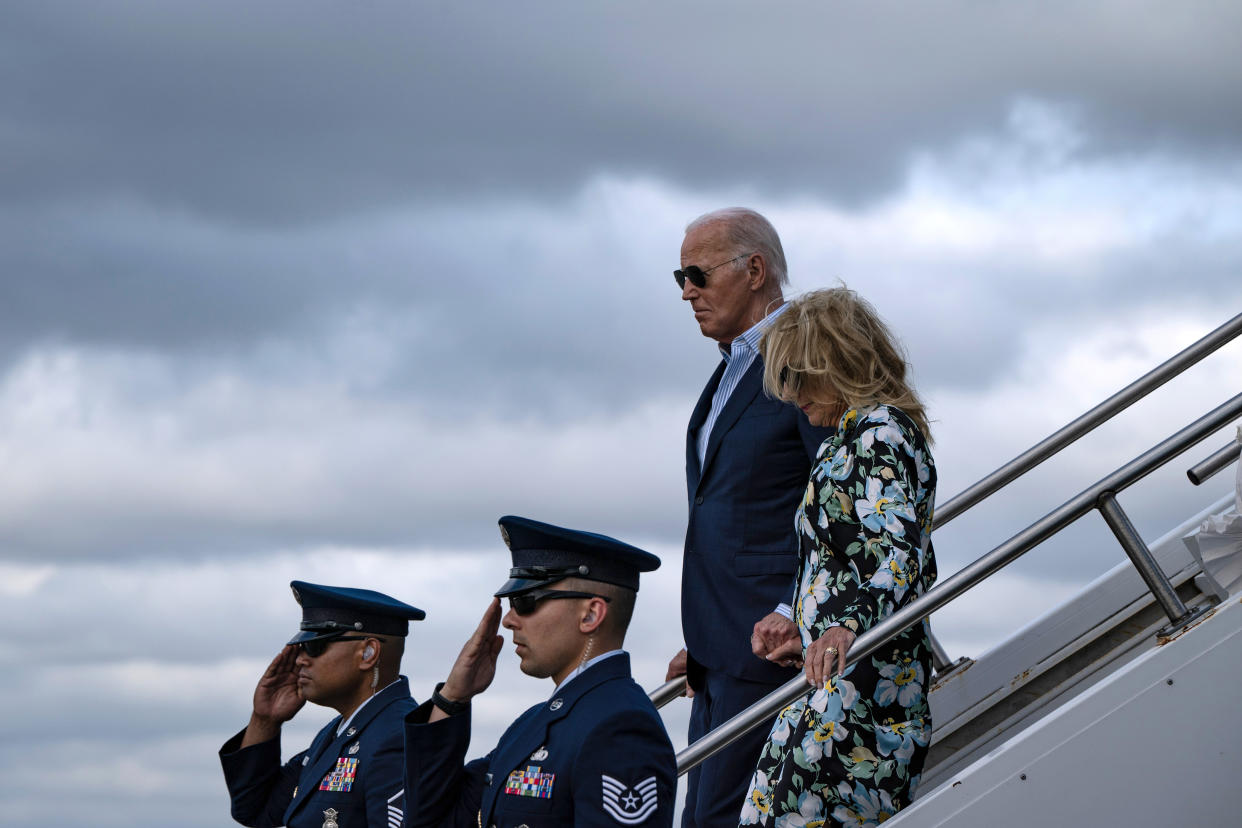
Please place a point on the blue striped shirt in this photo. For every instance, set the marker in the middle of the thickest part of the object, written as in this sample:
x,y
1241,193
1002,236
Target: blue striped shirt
x,y
738,358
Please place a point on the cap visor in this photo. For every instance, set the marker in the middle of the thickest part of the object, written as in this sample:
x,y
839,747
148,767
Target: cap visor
x,y
515,585
303,636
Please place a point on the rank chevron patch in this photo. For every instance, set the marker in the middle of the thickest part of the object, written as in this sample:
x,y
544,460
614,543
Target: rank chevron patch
x,y
629,805
396,815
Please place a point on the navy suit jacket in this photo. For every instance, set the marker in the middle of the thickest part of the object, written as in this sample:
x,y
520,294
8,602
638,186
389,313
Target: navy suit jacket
x,y
366,792
741,550
595,754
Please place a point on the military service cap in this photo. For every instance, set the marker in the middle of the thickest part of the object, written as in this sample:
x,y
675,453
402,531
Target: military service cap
x,y
544,554
329,611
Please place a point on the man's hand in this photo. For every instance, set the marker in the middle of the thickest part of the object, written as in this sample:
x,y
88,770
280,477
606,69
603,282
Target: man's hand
x,y
776,639
475,667
676,668
276,698
825,657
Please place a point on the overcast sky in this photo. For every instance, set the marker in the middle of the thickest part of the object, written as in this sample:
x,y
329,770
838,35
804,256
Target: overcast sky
x,y
320,290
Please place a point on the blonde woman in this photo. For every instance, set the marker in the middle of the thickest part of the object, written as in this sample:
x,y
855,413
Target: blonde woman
x,y
851,750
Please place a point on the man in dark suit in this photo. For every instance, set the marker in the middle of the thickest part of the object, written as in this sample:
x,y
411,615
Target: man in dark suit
x,y
596,752
748,458
347,656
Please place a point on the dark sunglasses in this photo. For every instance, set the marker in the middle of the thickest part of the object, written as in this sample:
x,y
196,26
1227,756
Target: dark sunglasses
x,y
697,275
316,646
789,380
527,602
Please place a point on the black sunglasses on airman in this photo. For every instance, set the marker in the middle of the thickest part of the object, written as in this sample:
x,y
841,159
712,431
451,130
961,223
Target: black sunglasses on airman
x,y
697,275
316,646
527,602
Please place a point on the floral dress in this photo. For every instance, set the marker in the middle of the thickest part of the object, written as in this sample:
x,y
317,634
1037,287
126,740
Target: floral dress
x,y
851,753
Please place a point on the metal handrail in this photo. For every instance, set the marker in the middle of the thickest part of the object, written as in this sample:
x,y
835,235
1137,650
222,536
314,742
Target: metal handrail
x,y
1204,469
1087,422
668,691
970,575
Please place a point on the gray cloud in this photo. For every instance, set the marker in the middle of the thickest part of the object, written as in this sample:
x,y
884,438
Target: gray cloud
x,y
285,111
320,290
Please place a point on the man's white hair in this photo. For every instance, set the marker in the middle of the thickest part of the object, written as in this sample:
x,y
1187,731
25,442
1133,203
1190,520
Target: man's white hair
x,y
748,232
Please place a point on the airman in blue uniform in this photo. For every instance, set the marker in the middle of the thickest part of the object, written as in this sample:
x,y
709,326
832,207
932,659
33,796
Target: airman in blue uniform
x,y
596,752
347,656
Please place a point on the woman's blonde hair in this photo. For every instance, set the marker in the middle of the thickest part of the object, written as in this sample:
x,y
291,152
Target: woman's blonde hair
x,y
833,343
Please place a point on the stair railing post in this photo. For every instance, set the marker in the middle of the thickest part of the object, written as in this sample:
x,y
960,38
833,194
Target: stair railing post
x,y
1136,549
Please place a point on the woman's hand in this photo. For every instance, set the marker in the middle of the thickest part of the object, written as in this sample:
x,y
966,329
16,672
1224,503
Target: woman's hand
x,y
825,657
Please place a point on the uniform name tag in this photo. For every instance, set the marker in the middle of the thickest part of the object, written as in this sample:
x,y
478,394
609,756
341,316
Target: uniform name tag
x,y
530,782
342,776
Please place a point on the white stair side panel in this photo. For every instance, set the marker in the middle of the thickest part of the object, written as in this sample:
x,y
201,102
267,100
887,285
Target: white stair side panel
x,y
1159,742
1116,594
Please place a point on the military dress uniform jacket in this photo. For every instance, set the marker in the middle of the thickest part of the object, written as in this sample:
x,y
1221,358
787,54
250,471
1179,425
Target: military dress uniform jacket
x,y
357,775
595,754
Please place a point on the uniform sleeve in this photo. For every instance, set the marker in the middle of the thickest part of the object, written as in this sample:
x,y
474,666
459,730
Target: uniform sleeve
x,y
385,783
259,787
626,775
878,476
440,789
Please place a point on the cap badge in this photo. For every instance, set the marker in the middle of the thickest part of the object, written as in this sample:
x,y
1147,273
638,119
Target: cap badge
x,y
504,535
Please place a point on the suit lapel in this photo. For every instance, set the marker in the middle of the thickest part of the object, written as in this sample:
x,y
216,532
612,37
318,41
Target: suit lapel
x,y
697,418
533,733
747,388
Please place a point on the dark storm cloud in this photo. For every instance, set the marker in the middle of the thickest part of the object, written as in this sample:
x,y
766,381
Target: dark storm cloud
x,y
276,112
464,299
206,180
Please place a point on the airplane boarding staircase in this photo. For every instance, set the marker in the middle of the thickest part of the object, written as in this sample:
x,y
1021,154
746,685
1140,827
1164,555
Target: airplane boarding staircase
x,y
1118,707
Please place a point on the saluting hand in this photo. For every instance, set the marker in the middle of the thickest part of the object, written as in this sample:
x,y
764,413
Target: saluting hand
x,y
276,698
475,667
